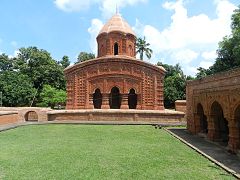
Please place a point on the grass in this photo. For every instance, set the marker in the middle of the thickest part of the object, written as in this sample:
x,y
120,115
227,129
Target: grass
x,y
99,152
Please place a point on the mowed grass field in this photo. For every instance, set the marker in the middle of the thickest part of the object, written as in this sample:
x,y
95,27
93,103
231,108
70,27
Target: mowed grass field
x,y
100,152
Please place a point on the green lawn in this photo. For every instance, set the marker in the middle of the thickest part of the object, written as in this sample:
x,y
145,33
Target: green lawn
x,y
99,152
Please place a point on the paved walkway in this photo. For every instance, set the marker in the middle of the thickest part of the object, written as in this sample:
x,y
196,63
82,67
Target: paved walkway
x,y
212,150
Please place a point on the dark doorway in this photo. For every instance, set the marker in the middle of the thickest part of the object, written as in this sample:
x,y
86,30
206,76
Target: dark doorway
x,y
116,49
220,123
115,98
203,119
132,99
97,99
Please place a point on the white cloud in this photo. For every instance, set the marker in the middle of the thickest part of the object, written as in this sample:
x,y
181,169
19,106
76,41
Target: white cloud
x,y
15,53
189,70
107,7
73,5
93,30
185,56
189,37
205,64
209,55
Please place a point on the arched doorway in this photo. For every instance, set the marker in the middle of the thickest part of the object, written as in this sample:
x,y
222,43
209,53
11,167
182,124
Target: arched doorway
x,y
115,48
31,116
132,99
203,119
220,124
237,119
115,98
97,99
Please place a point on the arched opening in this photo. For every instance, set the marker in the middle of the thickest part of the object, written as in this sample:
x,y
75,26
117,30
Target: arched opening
x,y
115,98
97,99
221,130
132,99
115,48
237,119
31,116
202,119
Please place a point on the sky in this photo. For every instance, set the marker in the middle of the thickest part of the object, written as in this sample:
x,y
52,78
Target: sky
x,y
181,31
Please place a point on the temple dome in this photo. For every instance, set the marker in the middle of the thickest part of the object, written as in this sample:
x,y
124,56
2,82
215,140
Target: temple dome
x,y
117,24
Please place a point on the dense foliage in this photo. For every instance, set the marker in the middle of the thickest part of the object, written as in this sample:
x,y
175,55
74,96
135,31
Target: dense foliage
x,y
174,84
51,97
84,56
22,78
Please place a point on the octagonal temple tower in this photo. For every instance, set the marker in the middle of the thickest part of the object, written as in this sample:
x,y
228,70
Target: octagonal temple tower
x,y
115,79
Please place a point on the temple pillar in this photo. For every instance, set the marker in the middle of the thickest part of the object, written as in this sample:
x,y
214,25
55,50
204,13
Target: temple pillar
x,y
124,104
197,119
105,101
213,133
234,141
90,102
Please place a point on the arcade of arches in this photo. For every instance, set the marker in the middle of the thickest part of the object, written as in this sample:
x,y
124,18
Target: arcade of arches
x,y
115,79
213,108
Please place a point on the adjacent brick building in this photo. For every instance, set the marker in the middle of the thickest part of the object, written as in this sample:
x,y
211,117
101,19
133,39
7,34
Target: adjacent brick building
x,y
213,108
115,79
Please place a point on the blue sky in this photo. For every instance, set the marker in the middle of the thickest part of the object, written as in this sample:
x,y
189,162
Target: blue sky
x,y
182,31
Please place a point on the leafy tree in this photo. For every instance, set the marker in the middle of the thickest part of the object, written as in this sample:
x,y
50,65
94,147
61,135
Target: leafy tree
x,y
174,84
39,66
6,63
143,47
65,62
17,89
51,97
202,72
84,56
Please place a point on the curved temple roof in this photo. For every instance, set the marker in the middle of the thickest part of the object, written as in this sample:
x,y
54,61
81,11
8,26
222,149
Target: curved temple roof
x,y
117,23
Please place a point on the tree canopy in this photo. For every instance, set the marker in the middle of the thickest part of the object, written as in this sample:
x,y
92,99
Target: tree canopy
x,y
142,47
23,77
65,62
174,84
51,97
84,56
17,89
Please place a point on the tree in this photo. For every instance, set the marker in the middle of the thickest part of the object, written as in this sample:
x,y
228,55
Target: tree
x,y
6,63
17,89
39,66
84,56
202,72
174,84
229,49
51,97
65,62
142,47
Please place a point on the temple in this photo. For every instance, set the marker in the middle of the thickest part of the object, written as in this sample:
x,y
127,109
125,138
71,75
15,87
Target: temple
x,y
115,79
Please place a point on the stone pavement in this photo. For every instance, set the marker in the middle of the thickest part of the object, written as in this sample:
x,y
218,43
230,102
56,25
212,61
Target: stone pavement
x,y
216,153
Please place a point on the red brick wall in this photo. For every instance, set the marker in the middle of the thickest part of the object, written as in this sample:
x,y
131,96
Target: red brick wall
x,y
8,118
105,73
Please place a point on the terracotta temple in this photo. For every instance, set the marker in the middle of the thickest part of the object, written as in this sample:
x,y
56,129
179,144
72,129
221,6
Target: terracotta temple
x,y
115,79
